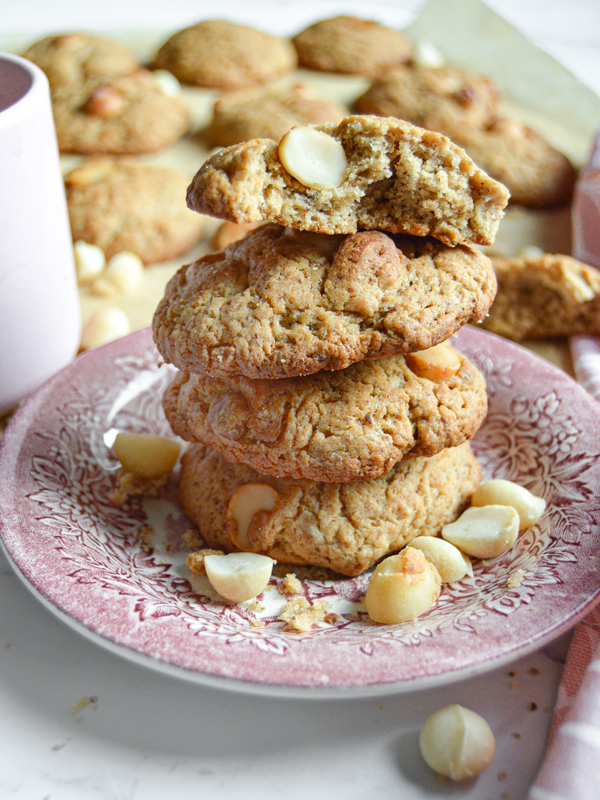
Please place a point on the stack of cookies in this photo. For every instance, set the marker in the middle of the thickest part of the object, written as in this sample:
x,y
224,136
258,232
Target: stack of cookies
x,y
329,418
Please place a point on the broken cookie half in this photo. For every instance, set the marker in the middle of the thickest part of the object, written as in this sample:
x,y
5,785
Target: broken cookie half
x,y
367,172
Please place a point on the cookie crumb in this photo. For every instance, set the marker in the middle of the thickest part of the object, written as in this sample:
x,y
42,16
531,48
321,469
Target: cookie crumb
x,y
535,671
516,735
512,673
130,485
192,539
82,703
533,706
256,623
143,533
502,775
515,579
300,615
290,585
195,561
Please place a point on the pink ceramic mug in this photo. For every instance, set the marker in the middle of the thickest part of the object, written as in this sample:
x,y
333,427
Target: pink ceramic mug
x,y
40,319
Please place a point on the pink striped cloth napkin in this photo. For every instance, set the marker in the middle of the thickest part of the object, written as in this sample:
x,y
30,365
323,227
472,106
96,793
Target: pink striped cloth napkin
x,y
571,766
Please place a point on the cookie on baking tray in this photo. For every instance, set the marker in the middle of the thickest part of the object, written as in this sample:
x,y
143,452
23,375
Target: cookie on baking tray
x,y
135,207
223,55
267,112
394,176
346,425
545,296
75,63
351,45
444,99
346,527
127,115
282,303
536,174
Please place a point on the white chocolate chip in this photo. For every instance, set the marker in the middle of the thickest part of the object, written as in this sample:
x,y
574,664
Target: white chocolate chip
x,y
244,503
426,54
484,532
239,576
506,493
167,82
445,557
89,261
438,363
146,454
103,327
123,275
312,157
457,742
402,588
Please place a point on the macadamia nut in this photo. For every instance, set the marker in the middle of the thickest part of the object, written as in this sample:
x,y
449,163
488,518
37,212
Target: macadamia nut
x,y
312,157
449,561
457,742
146,454
238,576
104,327
484,532
90,261
437,363
506,493
244,503
402,587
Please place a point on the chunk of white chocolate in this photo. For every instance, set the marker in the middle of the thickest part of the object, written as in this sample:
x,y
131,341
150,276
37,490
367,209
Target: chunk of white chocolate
x,y
501,492
457,742
450,562
402,587
244,503
238,576
145,454
484,532
312,157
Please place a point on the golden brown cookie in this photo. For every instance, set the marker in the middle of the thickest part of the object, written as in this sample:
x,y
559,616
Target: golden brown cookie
x,y
444,99
221,54
346,527
282,303
347,425
398,178
136,207
536,174
267,113
126,115
75,63
351,45
545,296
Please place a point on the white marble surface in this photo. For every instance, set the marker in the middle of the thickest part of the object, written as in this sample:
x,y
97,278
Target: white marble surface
x,y
150,737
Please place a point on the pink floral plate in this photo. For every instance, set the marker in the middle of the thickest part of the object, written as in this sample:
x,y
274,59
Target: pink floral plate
x,y
84,557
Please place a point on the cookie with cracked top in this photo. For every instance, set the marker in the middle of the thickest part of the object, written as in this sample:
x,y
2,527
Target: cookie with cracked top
x,y
443,99
351,45
347,425
345,527
282,303
399,178
130,206
545,296
224,55
536,173
267,112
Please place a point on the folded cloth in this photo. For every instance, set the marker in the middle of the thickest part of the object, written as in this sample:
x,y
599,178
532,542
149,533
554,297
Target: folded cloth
x,y
571,766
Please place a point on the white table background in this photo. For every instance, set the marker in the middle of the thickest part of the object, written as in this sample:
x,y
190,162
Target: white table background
x,y
151,737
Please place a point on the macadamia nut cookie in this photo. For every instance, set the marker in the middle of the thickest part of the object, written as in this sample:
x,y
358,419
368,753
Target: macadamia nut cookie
x,y
444,99
536,174
346,527
75,63
268,113
347,425
126,115
390,175
545,296
220,54
282,303
138,208
351,45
